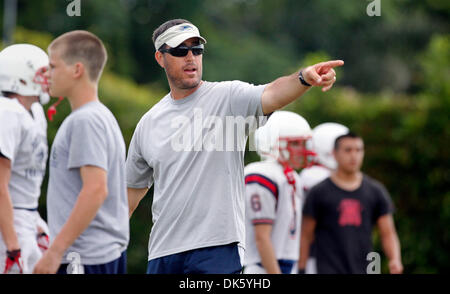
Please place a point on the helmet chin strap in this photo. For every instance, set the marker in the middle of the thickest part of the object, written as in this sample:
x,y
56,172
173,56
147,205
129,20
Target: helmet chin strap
x,y
44,97
289,174
52,109
283,159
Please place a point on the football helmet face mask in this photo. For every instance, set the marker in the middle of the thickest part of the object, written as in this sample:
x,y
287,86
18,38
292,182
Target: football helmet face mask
x,y
323,139
284,138
22,69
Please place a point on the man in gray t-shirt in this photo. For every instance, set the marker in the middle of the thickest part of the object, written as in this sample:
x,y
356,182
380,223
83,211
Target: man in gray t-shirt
x,y
86,201
191,146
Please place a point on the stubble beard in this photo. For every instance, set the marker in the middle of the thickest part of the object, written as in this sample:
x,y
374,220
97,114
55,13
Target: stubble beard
x,y
183,84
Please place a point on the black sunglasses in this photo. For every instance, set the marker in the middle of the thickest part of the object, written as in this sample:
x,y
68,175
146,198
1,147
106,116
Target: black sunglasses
x,y
182,50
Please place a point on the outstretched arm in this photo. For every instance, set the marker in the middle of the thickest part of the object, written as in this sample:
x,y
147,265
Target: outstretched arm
x,y
285,90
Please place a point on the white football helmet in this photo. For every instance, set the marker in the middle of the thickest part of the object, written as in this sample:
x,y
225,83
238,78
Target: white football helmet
x,y
22,68
272,139
323,139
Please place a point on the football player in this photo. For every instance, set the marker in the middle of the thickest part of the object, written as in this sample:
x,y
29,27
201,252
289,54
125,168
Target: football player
x,y
274,194
23,154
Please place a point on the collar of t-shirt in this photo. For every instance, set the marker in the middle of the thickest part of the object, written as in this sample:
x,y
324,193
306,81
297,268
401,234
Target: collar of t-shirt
x,y
189,98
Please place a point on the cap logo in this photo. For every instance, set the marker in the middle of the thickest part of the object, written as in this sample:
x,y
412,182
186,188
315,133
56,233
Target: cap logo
x,y
173,35
185,28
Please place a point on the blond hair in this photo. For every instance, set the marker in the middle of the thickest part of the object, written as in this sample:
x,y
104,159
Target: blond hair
x,y
85,47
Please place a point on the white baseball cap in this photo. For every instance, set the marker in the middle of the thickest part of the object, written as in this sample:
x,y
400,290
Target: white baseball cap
x,y
176,35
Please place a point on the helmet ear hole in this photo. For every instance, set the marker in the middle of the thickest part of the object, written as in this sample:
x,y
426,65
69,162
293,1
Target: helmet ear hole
x,y
23,82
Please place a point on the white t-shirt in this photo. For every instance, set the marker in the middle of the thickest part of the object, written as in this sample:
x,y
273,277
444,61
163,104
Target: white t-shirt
x,y
23,140
269,201
195,157
39,117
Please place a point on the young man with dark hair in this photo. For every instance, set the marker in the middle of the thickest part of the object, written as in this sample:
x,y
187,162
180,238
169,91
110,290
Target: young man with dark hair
x,y
198,204
86,201
340,213
323,139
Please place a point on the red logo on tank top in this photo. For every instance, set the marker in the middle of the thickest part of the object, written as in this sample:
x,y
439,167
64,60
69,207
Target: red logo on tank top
x,y
350,212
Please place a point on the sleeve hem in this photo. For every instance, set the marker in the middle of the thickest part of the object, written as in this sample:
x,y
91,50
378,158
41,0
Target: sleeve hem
x,y
267,221
137,186
80,165
5,155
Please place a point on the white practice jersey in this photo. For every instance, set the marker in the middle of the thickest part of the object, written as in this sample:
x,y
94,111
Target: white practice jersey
x,y
313,175
269,201
39,118
23,140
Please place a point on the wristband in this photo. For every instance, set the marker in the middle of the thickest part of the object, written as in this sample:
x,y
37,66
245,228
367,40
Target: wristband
x,y
302,79
13,254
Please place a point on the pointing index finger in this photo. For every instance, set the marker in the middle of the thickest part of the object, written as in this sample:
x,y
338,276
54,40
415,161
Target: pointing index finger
x,y
332,63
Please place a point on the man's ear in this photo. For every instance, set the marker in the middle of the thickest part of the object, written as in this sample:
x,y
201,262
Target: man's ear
x,y
79,70
159,58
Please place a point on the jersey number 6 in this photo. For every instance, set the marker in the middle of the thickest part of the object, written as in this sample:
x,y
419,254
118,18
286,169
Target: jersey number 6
x,y
255,201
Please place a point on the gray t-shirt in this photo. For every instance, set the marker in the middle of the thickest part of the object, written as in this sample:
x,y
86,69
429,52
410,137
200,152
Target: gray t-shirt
x,y
193,150
90,135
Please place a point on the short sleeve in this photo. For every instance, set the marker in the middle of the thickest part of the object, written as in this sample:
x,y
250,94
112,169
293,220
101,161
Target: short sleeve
x,y
87,144
383,204
310,208
9,135
246,102
139,173
261,199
